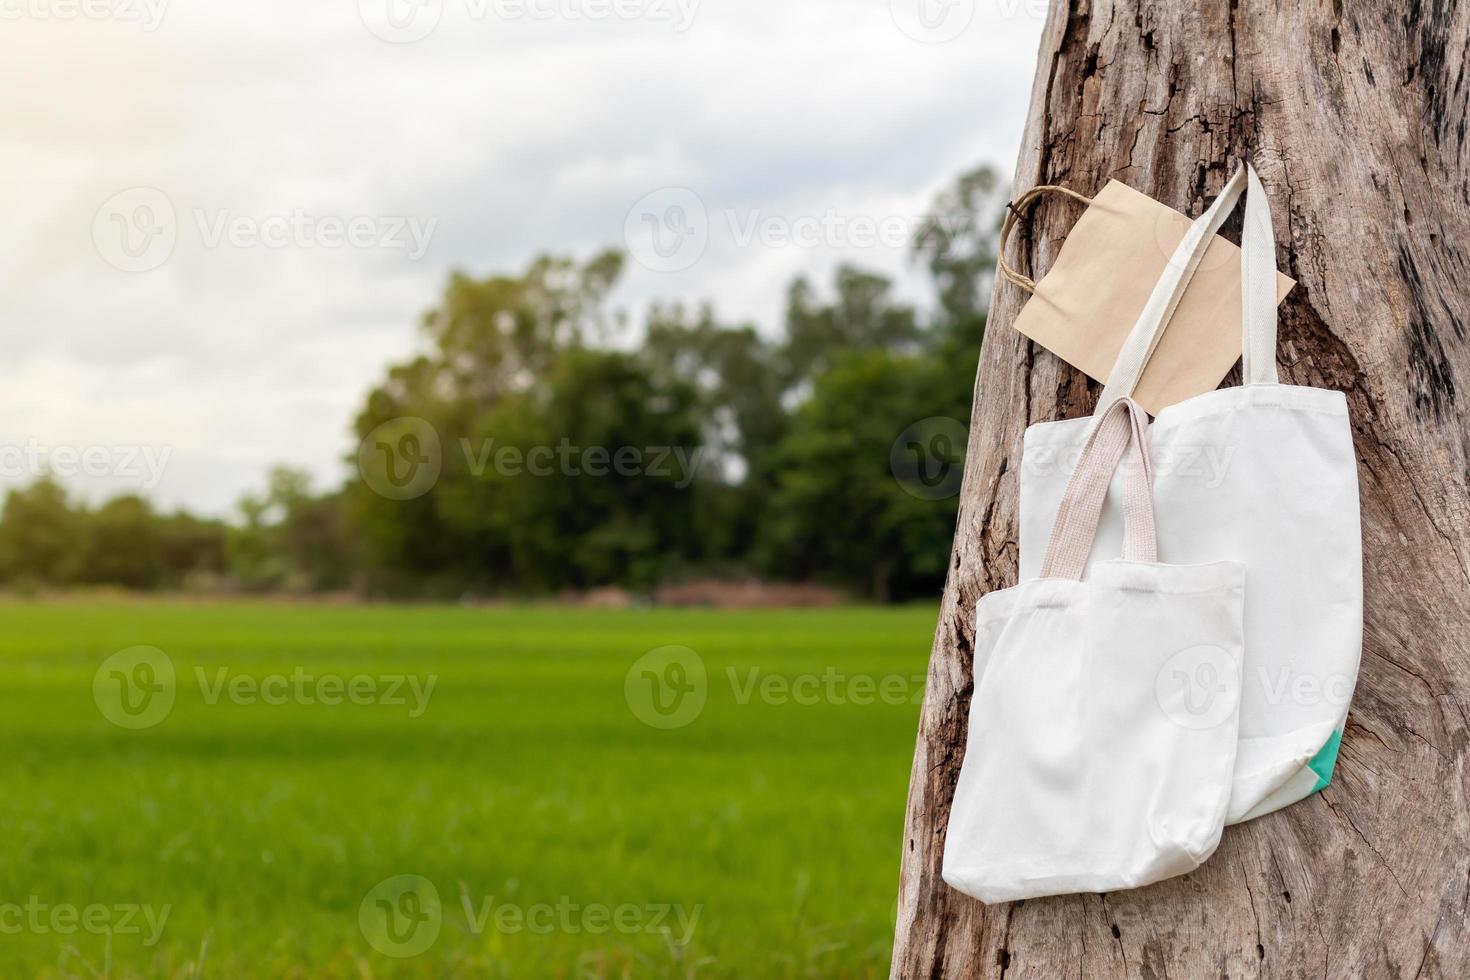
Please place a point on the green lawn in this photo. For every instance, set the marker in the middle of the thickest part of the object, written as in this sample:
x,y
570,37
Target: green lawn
x,y
562,835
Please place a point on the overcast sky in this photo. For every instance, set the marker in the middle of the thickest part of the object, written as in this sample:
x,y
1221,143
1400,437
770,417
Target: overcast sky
x,y
222,219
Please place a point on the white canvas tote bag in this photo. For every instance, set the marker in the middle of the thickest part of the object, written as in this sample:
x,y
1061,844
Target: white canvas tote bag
x,y
1263,474
1084,768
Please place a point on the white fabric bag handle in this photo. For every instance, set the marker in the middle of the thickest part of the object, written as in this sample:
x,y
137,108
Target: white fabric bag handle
x,y
1076,524
1257,291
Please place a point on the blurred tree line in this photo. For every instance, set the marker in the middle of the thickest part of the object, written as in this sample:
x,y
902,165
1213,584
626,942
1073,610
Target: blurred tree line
x,y
743,452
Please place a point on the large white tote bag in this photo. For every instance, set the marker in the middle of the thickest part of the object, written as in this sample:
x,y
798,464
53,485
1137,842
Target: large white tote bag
x,y
1263,474
1085,770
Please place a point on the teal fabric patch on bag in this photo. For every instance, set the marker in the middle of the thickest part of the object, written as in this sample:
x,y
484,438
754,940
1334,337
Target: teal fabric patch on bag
x,y
1325,760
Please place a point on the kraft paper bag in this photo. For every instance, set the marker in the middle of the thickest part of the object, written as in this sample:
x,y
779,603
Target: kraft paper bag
x,y
1089,300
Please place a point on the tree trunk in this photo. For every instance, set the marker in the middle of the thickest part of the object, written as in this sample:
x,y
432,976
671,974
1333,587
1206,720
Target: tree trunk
x,y
1355,115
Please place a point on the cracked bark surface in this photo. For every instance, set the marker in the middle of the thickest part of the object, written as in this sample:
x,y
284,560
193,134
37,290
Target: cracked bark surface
x,y
1355,114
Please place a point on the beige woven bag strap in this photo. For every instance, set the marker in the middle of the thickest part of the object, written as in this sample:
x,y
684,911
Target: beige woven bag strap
x,y
1258,290
1122,430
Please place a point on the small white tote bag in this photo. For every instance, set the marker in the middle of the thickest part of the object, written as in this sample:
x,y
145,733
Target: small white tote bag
x,y
1084,769
1263,474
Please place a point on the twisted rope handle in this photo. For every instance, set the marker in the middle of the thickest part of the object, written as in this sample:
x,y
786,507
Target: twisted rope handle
x,y
1013,212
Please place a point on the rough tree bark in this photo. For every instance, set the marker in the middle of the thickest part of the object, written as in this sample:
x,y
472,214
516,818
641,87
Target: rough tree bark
x,y
1355,114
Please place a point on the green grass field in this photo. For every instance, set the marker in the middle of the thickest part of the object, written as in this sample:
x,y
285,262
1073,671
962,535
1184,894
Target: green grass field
x,y
269,833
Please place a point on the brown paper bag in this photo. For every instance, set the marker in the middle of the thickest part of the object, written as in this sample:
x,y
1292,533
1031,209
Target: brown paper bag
x,y
1088,301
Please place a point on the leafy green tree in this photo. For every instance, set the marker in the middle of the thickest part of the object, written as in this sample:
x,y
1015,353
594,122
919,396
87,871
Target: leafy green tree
x,y
777,445
840,514
41,535
310,530
123,545
256,560
586,479
47,540
740,382
289,538
874,368
194,550
957,241
492,337
798,427
489,340
861,316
